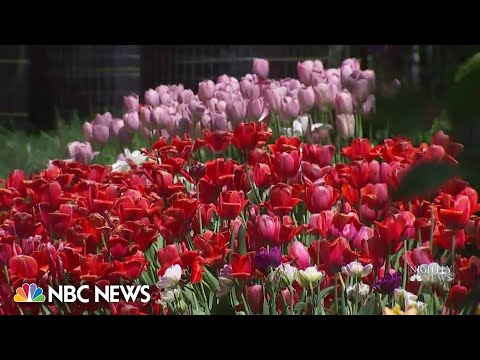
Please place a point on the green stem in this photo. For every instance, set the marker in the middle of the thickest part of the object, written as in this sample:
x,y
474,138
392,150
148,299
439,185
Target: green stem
x,y
291,301
336,292
405,264
432,228
453,248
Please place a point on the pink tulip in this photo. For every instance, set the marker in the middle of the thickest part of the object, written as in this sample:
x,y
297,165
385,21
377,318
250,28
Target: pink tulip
x,y
325,95
131,102
273,99
87,131
104,119
345,125
81,152
343,103
237,110
255,109
100,134
115,126
160,116
290,109
219,121
205,90
249,89
132,121
306,98
365,233
299,253
144,132
152,98
124,136
185,96
261,68
304,71
162,89
368,107
145,117
268,227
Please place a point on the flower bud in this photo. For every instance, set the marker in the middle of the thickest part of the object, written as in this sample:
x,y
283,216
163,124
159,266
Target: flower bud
x,y
309,276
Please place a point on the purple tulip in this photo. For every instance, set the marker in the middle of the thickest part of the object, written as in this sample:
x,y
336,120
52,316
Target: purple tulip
x,y
388,283
131,102
261,68
152,98
306,98
266,259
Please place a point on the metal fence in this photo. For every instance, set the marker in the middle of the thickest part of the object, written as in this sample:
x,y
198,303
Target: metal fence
x,y
38,79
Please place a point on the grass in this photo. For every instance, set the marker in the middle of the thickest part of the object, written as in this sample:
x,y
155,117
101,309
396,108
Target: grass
x,y
31,152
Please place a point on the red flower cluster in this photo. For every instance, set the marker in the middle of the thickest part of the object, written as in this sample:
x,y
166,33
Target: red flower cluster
x,y
77,224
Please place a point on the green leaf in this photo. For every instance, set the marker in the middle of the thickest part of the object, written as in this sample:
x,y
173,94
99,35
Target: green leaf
x,y
242,243
423,179
325,292
369,308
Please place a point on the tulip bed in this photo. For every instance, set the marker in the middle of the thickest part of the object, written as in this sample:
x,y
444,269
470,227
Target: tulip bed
x,y
253,198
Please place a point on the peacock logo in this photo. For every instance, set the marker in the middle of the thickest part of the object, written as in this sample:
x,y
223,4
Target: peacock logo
x,y
29,293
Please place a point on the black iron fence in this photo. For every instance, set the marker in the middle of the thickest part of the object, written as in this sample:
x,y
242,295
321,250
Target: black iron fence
x,y
39,79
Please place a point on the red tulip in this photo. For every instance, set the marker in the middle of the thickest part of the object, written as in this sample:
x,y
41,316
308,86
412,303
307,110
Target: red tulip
x,y
231,204
318,154
456,217
218,141
255,298
456,296
241,266
281,200
359,149
23,266
244,136
333,255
